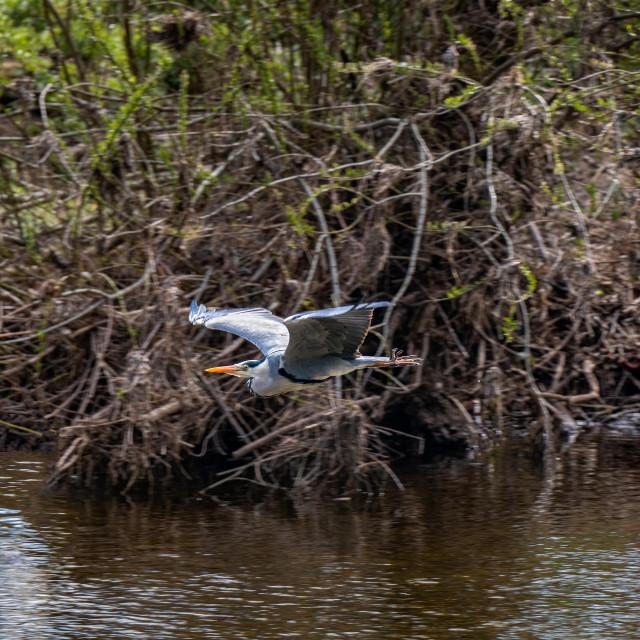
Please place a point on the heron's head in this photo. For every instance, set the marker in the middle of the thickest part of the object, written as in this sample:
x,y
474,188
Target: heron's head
x,y
242,369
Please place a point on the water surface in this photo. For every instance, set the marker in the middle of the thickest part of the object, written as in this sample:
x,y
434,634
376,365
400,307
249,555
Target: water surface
x,y
498,548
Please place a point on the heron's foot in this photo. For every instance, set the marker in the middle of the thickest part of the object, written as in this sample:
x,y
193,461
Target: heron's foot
x,y
398,360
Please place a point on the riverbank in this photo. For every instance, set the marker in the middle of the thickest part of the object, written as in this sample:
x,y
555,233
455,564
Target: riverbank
x,y
490,193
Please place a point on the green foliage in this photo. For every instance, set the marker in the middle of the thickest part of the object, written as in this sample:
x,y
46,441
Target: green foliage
x,y
297,220
253,60
123,117
457,291
23,34
467,43
556,195
183,113
361,142
532,283
100,38
509,323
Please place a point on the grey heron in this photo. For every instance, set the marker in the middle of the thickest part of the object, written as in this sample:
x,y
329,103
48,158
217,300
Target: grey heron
x,y
305,349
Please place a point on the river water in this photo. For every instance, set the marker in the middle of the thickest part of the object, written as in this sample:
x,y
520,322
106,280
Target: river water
x,y
493,549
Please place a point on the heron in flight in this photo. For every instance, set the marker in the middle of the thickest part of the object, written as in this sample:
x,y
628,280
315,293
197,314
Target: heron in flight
x,y
305,349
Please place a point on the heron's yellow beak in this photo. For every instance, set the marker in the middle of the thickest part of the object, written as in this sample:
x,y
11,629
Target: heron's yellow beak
x,y
233,369
228,369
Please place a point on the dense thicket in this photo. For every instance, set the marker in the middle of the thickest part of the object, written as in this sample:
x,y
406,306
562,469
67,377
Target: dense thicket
x,y
475,162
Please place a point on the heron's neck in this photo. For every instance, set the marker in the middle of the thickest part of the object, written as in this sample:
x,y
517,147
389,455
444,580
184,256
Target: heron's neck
x,y
267,379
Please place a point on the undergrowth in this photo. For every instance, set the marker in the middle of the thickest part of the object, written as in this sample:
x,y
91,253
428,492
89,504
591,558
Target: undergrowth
x,y
475,163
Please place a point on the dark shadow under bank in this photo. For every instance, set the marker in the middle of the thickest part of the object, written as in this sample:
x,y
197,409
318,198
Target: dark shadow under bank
x,y
407,435
613,447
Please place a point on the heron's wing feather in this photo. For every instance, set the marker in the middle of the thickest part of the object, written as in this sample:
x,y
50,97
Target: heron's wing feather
x,y
259,326
329,332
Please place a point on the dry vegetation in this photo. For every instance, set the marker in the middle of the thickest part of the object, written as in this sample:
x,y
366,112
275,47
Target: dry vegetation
x,y
488,188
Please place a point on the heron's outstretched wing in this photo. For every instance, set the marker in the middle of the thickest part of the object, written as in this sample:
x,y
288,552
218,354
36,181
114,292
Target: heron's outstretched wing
x,y
257,325
337,332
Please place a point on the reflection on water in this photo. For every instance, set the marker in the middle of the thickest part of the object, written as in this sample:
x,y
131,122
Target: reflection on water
x,y
482,550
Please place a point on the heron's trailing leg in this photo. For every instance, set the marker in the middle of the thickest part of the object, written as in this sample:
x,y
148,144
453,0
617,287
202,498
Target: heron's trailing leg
x,y
398,360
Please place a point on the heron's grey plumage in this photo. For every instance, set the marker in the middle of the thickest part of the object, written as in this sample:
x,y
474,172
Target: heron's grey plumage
x,y
257,325
303,349
337,332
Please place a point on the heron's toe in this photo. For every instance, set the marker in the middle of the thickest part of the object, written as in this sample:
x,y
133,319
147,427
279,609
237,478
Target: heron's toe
x,y
398,360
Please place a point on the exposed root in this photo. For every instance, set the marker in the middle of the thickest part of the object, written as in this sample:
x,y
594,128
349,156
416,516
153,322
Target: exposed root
x,y
335,451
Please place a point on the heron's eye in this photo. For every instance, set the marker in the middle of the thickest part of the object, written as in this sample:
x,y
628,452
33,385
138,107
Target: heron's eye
x,y
245,367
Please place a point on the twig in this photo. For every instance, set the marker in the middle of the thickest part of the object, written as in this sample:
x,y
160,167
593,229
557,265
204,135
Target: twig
x,y
10,425
212,175
581,221
310,275
529,371
467,416
527,53
425,160
559,168
256,444
392,140
42,103
88,310
472,157
454,335
326,238
162,412
587,368
313,174
445,156
493,199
